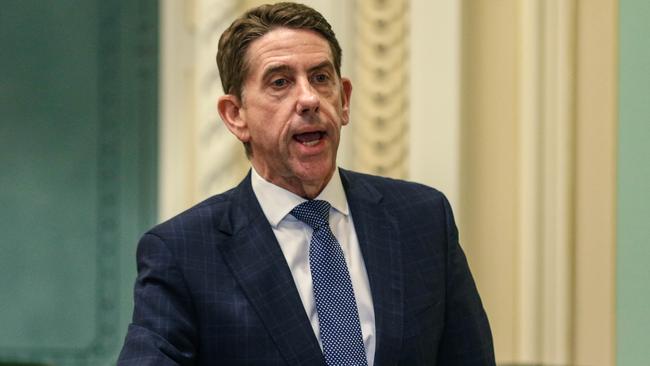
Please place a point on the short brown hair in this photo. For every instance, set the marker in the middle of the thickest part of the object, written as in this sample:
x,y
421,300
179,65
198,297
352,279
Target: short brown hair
x,y
255,23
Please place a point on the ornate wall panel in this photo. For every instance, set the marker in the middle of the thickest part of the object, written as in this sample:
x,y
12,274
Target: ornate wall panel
x,y
380,106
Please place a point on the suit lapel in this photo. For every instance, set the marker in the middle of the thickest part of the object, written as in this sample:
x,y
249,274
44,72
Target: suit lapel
x,y
378,235
260,268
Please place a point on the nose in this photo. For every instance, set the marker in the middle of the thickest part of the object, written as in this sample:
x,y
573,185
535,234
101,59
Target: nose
x,y
308,100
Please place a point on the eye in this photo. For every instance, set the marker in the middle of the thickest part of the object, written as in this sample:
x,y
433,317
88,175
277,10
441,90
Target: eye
x,y
279,83
320,78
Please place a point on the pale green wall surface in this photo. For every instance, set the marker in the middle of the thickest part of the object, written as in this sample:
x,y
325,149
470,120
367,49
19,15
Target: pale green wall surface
x,y
78,174
633,248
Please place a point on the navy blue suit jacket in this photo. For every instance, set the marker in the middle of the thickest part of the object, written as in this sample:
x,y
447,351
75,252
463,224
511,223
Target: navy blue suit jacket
x,y
213,286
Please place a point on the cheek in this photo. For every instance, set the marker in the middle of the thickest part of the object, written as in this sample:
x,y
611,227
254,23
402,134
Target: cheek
x,y
336,117
276,135
334,105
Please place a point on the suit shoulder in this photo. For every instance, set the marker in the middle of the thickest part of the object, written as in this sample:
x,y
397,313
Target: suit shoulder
x,y
398,189
199,216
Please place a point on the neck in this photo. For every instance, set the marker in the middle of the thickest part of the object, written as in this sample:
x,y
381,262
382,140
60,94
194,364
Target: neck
x,y
308,189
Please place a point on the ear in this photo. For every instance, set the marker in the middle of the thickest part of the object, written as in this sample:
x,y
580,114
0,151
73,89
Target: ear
x,y
229,108
346,94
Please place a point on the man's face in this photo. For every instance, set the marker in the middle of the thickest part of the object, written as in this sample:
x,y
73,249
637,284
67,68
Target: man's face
x,y
292,110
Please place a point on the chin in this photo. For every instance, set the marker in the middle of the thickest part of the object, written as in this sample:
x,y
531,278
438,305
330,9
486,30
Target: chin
x,y
314,172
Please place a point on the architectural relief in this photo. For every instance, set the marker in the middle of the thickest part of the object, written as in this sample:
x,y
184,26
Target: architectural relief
x,y
381,88
220,160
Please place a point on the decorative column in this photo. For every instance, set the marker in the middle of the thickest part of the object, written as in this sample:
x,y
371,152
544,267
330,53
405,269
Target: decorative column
x,y
547,176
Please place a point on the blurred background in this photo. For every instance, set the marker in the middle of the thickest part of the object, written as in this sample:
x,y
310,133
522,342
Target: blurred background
x,y
532,116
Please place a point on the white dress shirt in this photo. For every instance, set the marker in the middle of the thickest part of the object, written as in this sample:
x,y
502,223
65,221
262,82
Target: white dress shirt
x,y
294,237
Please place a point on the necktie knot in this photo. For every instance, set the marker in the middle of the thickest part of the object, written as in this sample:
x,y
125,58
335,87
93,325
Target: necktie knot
x,y
314,213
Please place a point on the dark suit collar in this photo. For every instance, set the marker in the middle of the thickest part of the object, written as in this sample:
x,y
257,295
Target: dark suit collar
x,y
378,235
257,262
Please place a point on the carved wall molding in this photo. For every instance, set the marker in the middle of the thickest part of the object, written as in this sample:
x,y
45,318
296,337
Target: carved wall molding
x,y
380,137
220,160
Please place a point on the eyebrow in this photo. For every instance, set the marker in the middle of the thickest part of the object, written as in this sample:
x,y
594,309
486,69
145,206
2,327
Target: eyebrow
x,y
276,69
327,64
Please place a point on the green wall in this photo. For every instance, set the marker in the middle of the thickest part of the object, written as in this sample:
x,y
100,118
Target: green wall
x,y
633,250
78,132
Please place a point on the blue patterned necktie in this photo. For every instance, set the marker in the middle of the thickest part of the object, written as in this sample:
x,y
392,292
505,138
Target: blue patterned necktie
x,y
340,329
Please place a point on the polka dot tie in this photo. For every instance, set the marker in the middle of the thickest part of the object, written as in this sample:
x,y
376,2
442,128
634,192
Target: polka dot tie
x,y
340,329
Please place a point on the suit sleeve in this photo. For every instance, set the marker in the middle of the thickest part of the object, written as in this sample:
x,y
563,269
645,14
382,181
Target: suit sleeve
x,y
467,339
163,330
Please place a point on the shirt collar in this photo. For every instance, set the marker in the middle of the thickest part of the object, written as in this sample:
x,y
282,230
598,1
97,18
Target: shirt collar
x,y
277,202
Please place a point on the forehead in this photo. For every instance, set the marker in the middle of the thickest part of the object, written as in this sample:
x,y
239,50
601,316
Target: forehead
x,y
290,47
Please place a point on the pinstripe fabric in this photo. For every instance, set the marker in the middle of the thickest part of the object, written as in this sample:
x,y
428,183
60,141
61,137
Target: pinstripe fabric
x,y
213,286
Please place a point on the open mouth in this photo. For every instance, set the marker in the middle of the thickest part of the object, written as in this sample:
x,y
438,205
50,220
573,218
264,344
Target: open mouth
x,y
309,138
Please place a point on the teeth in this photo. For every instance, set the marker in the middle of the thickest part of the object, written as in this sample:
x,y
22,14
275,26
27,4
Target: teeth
x,y
310,143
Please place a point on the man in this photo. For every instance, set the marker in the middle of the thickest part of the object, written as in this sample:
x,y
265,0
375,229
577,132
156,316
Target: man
x,y
303,263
